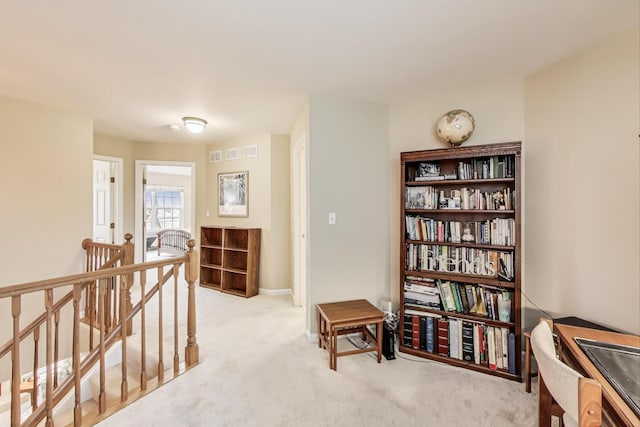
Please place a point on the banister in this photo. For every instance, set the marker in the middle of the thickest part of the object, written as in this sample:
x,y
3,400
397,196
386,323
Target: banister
x,y
91,358
59,282
124,276
33,325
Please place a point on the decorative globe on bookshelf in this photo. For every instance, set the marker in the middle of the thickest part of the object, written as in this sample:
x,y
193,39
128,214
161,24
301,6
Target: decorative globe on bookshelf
x,y
455,127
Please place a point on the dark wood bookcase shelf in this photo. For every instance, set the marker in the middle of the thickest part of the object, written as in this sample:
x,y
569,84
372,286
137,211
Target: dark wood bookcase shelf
x,y
440,190
230,259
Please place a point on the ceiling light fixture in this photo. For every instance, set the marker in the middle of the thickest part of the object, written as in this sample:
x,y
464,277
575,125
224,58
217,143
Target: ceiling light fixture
x,y
194,124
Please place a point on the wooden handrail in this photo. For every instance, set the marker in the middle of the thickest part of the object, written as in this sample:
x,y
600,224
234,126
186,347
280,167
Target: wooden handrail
x,y
98,282
93,356
41,285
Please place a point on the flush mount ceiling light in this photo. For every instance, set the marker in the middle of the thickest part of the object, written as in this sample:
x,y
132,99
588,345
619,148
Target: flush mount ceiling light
x,y
194,124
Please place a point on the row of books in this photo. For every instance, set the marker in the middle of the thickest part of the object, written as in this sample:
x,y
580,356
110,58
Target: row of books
x,y
428,197
487,168
473,342
459,260
498,231
481,168
472,199
466,298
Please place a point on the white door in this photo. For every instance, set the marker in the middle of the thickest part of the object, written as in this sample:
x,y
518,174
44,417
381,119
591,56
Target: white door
x,y
102,202
299,161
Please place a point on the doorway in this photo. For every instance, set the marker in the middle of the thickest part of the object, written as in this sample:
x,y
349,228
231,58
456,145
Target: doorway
x,y
107,200
164,199
300,221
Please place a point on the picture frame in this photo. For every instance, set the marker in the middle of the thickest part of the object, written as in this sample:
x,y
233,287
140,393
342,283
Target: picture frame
x,y
233,194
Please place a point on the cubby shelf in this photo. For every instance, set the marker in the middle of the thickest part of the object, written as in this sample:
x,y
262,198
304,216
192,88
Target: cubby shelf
x,y
230,259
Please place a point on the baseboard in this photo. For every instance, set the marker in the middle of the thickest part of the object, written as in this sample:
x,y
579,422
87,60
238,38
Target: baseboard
x,y
312,337
274,292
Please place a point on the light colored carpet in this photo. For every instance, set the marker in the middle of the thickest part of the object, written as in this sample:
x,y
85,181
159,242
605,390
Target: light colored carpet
x,y
258,369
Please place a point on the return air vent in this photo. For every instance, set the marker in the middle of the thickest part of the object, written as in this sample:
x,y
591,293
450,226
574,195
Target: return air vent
x,y
233,153
215,156
251,151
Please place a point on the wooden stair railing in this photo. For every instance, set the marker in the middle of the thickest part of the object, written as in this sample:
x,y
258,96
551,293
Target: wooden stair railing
x,y
100,256
119,331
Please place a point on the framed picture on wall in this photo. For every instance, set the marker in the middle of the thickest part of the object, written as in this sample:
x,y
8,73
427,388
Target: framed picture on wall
x,y
233,194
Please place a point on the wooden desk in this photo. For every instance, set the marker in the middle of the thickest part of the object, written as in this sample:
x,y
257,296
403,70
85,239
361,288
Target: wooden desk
x,y
347,317
614,406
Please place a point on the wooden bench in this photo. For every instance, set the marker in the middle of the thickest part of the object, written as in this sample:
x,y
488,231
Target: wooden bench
x,y
173,241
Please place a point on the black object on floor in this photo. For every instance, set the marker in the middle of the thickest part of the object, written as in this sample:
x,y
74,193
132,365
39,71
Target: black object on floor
x,y
388,342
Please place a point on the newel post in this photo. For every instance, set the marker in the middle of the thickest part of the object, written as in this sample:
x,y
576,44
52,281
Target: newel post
x,y
191,351
128,249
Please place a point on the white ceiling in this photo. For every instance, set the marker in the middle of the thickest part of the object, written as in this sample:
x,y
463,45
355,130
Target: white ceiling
x,y
247,66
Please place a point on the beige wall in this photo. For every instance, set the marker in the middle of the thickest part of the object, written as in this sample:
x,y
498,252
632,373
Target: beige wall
x,y
46,176
268,202
348,175
279,255
583,184
498,110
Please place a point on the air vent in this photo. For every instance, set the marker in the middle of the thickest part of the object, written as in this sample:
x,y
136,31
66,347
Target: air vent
x,y
250,151
233,153
215,156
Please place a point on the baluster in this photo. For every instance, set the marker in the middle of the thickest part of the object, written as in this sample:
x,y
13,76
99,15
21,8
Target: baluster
x,y
87,248
128,259
102,400
48,303
124,388
56,320
34,393
15,362
160,347
176,358
116,285
191,351
143,332
91,293
107,304
77,409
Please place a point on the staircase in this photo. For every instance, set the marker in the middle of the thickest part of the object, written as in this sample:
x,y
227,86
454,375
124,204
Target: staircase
x,y
118,348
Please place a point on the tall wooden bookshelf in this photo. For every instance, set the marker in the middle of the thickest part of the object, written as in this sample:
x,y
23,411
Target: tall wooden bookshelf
x,y
460,257
230,259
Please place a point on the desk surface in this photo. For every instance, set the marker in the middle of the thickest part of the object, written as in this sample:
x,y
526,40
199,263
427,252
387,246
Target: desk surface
x,y
349,311
611,398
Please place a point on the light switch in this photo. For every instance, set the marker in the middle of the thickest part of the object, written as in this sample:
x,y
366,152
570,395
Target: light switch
x,y
332,218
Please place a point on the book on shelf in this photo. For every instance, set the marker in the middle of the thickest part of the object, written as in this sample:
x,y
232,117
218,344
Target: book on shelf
x,y
491,348
423,332
477,342
443,337
430,178
407,330
415,331
431,333
512,353
467,341
498,348
471,299
505,347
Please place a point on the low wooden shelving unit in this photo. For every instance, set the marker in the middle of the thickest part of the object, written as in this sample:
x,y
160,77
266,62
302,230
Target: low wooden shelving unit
x,y
230,259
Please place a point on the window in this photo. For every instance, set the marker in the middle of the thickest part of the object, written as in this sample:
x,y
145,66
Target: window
x,y
164,207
